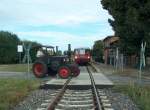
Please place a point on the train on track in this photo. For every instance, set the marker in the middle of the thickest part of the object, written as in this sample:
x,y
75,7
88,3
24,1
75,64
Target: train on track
x,y
82,55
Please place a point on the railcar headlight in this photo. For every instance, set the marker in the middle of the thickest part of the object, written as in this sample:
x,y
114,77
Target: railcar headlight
x,y
75,57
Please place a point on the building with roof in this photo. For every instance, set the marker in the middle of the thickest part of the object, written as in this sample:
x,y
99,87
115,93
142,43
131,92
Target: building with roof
x,y
110,49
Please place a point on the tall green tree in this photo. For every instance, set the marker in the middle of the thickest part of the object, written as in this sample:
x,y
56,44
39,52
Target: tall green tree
x,y
131,22
97,51
8,47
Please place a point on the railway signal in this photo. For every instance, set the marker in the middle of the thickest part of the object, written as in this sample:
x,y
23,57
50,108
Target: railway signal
x,y
27,56
142,60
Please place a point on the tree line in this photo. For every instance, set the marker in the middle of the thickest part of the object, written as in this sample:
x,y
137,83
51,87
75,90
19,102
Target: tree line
x,y
131,23
8,48
97,51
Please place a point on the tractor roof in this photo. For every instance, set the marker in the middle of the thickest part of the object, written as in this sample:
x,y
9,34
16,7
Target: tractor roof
x,y
81,48
47,46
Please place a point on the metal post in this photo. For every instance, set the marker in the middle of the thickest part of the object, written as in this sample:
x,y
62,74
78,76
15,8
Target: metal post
x,y
140,71
122,62
142,60
28,60
69,52
117,55
56,50
20,57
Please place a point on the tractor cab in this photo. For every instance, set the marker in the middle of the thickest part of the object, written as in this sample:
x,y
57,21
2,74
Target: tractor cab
x,y
45,51
48,62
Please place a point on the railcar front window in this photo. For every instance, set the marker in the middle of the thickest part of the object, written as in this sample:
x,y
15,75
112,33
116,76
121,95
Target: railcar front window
x,y
82,52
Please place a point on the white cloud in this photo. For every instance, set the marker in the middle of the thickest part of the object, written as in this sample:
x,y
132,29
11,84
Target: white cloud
x,y
61,39
17,13
59,12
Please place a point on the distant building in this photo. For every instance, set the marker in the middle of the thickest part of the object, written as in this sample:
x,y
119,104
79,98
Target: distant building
x,y
112,53
110,47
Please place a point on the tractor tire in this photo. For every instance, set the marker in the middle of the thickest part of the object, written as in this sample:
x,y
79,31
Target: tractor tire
x,y
40,69
75,70
64,72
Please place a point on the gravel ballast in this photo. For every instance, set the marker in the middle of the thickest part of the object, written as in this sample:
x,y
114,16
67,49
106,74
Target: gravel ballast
x,y
119,101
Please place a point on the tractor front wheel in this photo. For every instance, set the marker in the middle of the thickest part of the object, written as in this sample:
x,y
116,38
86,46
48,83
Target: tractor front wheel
x,y
40,69
75,70
64,72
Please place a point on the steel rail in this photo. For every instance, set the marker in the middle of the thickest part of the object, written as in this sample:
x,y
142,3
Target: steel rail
x,y
99,105
59,95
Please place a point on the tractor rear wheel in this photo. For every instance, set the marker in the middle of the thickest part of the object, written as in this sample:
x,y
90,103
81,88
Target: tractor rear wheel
x,y
40,69
64,72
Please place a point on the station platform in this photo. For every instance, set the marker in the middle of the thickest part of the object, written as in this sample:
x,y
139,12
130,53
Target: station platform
x,y
81,82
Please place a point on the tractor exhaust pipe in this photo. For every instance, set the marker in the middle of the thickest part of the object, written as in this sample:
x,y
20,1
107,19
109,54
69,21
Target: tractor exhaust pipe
x,y
69,52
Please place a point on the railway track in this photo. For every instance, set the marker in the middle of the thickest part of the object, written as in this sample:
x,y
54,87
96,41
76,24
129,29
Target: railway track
x,y
65,99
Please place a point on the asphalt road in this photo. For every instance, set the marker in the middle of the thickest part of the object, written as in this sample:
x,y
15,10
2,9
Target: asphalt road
x,y
15,75
19,75
23,75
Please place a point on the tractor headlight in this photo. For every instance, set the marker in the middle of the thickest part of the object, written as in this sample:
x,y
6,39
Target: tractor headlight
x,y
67,59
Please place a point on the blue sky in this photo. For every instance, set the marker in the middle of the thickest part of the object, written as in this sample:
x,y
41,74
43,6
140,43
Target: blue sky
x,y
56,22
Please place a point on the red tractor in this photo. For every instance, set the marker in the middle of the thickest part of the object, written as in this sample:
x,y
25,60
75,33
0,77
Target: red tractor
x,y
48,62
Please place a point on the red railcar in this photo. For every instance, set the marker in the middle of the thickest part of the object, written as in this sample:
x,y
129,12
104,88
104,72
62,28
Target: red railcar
x,y
82,55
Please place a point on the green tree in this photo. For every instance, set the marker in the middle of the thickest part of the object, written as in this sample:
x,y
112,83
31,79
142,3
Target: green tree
x,y
97,51
130,22
8,47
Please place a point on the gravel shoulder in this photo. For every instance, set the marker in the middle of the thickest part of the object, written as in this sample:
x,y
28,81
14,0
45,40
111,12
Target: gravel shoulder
x,y
34,100
128,75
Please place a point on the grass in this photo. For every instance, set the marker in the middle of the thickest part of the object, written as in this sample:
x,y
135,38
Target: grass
x,y
12,91
131,72
140,95
14,68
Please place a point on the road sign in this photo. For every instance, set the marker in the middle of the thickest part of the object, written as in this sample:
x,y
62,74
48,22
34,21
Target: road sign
x,y
20,48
